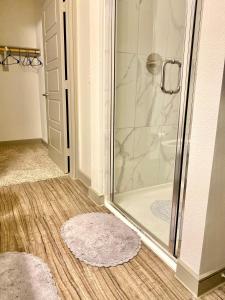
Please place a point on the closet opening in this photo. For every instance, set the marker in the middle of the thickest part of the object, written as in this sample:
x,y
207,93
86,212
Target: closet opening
x,y
34,91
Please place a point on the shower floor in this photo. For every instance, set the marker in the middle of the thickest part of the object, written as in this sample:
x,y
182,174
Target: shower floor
x,y
149,207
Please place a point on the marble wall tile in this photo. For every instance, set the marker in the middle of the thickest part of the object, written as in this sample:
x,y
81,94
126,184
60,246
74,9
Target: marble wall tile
x,y
123,163
148,97
167,153
126,81
170,110
161,29
146,27
145,172
146,140
127,25
146,156
146,119
176,28
169,28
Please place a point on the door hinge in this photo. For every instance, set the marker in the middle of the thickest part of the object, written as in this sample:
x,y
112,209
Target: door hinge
x,y
64,5
66,84
67,151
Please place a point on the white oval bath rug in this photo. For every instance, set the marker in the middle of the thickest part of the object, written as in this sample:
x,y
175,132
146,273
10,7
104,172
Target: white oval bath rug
x,y
100,239
25,277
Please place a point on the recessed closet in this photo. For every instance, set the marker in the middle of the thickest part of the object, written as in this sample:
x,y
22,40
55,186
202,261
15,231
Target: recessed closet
x,y
34,129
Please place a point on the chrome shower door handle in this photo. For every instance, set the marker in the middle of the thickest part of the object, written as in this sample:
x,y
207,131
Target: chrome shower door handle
x,y
163,88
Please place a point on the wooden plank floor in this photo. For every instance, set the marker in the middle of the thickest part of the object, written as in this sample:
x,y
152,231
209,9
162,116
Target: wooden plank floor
x,y
31,215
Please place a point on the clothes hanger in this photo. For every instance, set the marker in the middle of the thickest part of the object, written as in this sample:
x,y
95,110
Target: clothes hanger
x,y
20,58
14,59
36,62
26,61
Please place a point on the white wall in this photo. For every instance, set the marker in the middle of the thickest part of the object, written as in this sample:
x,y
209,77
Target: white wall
x,y
84,102
19,87
213,250
204,125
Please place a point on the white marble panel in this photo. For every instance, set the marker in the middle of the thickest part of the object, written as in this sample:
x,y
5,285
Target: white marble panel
x,y
127,25
126,78
149,97
170,110
167,154
145,118
176,28
146,156
161,12
123,162
146,26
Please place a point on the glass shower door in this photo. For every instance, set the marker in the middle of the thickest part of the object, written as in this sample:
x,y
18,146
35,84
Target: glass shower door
x,y
149,46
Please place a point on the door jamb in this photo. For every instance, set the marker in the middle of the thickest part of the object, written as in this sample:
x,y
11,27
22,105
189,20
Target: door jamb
x,y
71,11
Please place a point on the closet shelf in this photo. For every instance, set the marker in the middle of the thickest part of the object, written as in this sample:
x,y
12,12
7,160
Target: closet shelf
x,y
20,51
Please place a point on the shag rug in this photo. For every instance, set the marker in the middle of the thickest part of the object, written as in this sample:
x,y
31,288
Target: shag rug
x,y
162,209
26,162
100,239
25,277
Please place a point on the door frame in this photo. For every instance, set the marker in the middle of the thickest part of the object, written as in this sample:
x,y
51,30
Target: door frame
x,y
70,7
61,159
184,127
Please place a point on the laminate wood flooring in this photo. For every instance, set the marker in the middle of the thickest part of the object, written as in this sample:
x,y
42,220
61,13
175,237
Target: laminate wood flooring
x,y
31,215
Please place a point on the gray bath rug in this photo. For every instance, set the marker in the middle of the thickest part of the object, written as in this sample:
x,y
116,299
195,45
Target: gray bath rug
x,y
100,239
162,209
25,277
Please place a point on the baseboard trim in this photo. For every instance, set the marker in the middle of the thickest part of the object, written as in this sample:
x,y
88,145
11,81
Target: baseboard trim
x,y
92,194
44,143
27,141
198,285
209,283
83,178
187,277
95,197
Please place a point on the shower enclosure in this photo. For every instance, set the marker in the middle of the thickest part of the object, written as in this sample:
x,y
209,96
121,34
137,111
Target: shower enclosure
x,y
146,147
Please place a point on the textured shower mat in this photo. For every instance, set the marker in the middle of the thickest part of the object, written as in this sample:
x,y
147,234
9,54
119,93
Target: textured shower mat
x,y
100,239
25,277
162,209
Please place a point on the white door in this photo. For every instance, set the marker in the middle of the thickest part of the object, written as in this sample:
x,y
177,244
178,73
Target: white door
x,y
55,82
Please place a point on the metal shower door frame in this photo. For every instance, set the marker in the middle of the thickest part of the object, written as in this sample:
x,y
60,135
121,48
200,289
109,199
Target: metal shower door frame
x,y
184,128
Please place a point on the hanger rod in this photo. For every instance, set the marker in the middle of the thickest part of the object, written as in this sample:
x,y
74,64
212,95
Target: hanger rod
x,y
20,50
